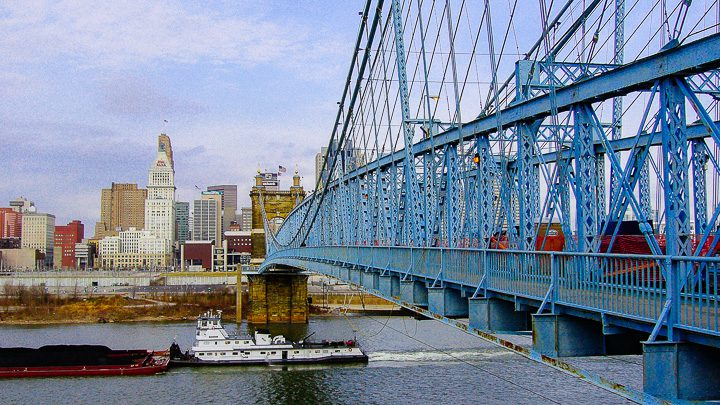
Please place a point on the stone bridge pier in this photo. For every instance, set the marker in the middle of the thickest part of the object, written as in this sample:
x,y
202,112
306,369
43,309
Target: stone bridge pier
x,y
277,298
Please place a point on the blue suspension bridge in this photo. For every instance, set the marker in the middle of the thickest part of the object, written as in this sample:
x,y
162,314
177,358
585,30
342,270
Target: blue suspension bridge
x,y
552,166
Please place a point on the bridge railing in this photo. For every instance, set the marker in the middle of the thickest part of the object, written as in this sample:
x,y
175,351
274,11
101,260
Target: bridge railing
x,y
682,292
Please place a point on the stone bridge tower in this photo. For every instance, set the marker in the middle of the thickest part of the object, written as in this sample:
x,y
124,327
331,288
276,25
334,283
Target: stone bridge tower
x,y
278,204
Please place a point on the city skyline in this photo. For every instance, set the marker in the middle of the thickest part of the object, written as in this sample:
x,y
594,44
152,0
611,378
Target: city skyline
x,y
82,113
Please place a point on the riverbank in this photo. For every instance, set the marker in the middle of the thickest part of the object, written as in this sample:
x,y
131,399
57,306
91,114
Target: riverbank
x,y
28,306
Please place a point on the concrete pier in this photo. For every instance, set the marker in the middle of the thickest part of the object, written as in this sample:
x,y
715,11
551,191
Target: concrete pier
x,y
496,315
678,370
414,292
371,280
563,336
389,286
447,302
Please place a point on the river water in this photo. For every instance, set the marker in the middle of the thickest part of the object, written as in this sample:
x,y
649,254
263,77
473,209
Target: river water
x,y
411,362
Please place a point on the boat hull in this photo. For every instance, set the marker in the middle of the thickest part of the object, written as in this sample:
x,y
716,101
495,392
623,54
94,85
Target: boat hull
x,y
195,362
81,371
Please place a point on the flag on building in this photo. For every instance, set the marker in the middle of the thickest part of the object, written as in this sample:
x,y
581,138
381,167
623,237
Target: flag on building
x,y
281,169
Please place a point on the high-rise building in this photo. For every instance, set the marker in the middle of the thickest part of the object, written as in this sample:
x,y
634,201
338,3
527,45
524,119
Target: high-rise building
x,y
206,217
246,219
66,237
22,205
160,202
10,223
349,159
228,204
38,232
182,221
122,206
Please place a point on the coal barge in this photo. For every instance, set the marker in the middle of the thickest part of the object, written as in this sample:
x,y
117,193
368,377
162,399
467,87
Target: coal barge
x,y
79,360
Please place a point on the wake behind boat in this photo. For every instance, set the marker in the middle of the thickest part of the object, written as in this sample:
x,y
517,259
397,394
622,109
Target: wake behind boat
x,y
214,346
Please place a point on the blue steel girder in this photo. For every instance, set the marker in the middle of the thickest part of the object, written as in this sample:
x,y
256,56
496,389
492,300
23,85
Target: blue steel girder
x,y
413,203
586,180
675,164
699,162
453,213
685,60
527,178
487,180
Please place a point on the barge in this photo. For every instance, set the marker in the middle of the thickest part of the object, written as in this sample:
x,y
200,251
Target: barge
x,y
215,347
79,360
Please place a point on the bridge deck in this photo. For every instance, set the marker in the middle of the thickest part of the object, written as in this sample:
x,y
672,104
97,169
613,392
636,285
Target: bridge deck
x,y
633,290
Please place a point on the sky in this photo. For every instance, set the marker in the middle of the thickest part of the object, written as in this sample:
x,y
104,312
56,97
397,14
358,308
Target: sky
x,y
87,89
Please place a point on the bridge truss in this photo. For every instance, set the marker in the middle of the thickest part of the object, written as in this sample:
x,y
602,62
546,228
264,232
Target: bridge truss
x,y
497,147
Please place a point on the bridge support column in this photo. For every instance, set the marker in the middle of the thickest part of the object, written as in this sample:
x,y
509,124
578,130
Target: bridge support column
x,y
496,315
414,292
355,276
675,370
370,280
277,298
389,286
447,302
563,336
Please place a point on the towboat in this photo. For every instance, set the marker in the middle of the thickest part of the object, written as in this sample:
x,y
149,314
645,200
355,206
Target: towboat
x,y
79,360
214,346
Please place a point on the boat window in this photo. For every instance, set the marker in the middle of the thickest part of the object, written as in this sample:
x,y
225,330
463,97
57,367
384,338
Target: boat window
x,y
297,351
324,351
272,352
215,342
235,353
236,342
201,354
262,352
337,351
227,342
223,353
317,351
246,352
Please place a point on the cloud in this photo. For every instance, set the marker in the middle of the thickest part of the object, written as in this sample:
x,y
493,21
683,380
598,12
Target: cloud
x,y
121,34
127,95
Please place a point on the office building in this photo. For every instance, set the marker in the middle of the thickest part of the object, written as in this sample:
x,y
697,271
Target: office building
x,y
206,217
134,249
122,206
182,221
160,202
228,206
84,255
22,205
245,219
38,231
66,237
10,223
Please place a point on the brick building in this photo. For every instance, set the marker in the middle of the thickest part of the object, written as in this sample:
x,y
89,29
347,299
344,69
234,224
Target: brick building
x,y
66,237
10,223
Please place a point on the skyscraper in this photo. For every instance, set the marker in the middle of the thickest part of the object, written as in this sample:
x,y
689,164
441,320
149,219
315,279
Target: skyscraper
x,y
182,217
160,202
228,204
206,215
122,206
